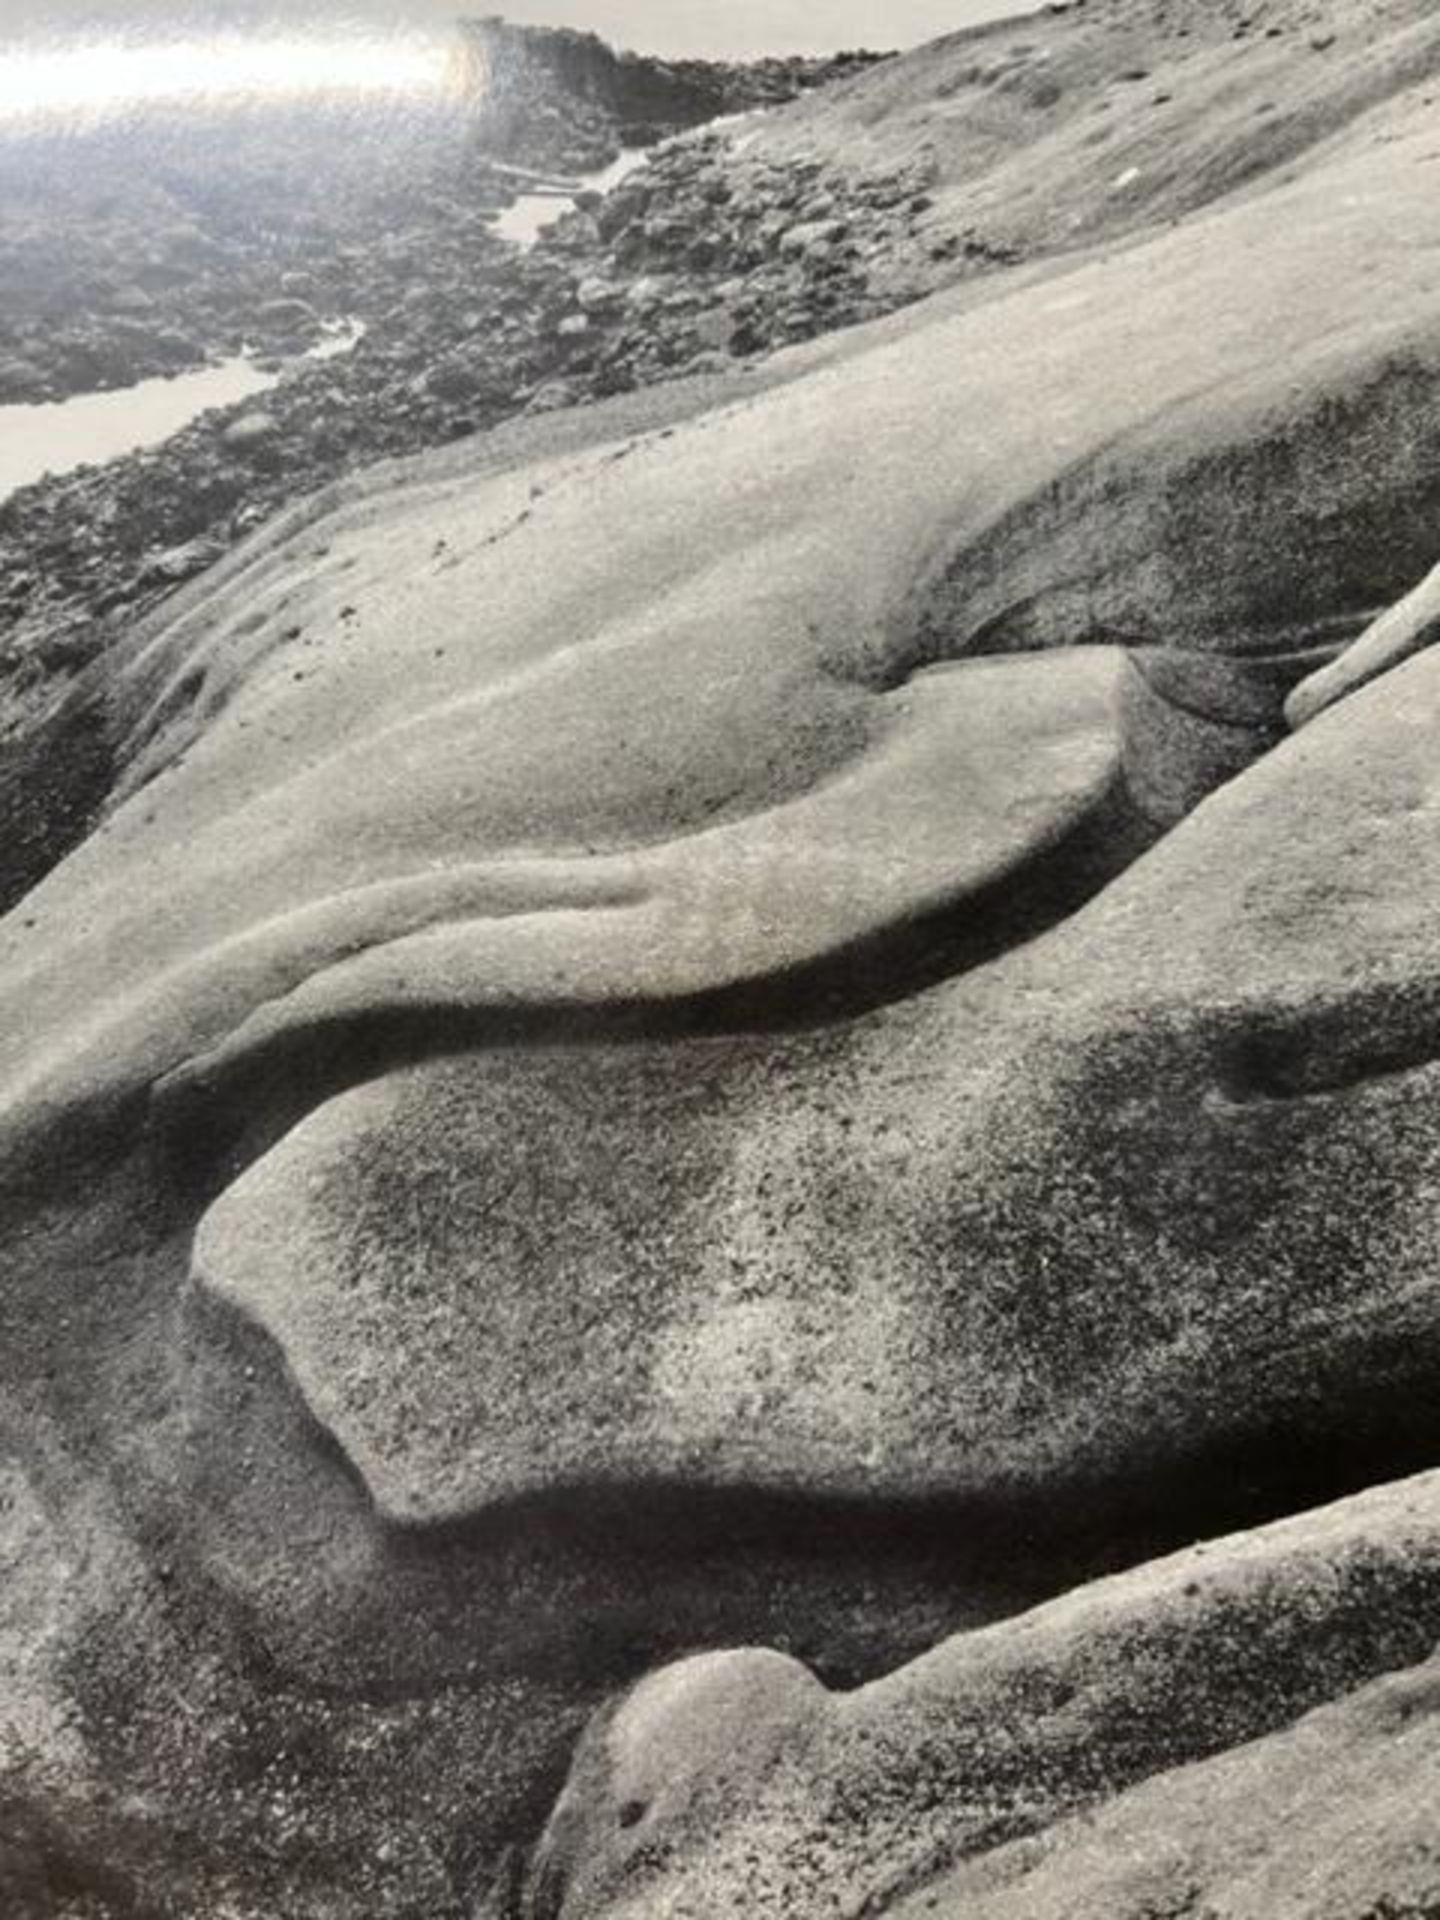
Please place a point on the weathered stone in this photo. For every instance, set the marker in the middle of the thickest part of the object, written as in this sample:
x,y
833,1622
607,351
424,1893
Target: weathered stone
x,y
1330,1818
252,431
1405,629
593,1086
851,1801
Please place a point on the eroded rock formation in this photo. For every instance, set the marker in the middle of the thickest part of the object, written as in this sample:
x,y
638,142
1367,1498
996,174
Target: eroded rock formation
x,y
730,1021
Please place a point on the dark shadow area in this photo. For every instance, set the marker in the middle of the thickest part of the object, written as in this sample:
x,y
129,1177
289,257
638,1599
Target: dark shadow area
x,y
1378,1033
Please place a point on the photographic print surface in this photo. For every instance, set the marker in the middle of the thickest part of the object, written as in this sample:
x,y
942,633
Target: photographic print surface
x,y
720,961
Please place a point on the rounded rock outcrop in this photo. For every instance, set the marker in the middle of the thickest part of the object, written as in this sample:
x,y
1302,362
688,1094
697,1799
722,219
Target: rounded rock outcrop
x,y
657,1768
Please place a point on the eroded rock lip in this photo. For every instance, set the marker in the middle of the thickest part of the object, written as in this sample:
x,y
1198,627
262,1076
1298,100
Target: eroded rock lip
x,y
996,1735
1074,1212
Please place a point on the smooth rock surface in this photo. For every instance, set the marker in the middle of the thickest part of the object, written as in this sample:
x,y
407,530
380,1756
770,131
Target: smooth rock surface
x,y
1079,1212
1404,629
320,785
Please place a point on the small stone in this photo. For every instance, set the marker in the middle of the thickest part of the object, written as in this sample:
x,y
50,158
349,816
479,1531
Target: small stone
x,y
250,431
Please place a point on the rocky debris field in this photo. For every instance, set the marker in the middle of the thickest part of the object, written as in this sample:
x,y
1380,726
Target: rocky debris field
x,y
169,239
143,250
704,260
555,97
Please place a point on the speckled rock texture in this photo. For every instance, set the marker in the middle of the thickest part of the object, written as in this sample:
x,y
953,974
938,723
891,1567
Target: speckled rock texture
x,y
1152,1186
720,1176
1332,1816
842,1801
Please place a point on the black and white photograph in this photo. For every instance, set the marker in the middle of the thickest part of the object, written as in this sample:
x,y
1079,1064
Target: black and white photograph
x,y
720,960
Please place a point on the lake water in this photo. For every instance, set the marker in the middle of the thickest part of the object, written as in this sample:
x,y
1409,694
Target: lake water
x,y
57,436
532,213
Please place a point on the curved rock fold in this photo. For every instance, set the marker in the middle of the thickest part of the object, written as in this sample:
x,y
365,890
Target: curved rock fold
x,y
736,1020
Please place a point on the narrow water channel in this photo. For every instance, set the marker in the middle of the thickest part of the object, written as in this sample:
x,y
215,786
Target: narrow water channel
x,y
56,437
528,217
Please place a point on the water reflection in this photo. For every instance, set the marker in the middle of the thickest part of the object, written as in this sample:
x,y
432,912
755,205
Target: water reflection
x,y
98,78
56,437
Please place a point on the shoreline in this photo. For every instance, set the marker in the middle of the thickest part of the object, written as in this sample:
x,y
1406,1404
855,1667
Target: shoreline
x,y
706,259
